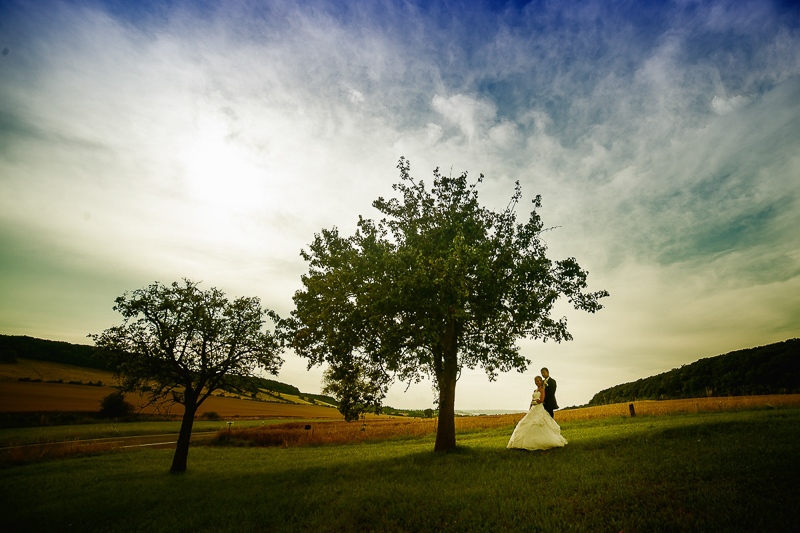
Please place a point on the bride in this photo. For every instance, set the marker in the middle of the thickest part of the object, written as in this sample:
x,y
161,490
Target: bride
x,y
537,430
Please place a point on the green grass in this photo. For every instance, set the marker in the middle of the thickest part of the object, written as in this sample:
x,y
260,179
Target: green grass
x,y
729,471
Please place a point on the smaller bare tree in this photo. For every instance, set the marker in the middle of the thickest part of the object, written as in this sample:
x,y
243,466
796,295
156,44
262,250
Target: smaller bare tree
x,y
178,344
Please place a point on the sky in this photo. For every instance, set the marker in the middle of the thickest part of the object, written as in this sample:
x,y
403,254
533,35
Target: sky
x,y
155,141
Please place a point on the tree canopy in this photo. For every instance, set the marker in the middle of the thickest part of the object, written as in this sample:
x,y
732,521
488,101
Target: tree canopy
x,y
179,344
439,284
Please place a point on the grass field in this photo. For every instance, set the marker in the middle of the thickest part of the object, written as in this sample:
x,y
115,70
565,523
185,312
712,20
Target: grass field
x,y
706,471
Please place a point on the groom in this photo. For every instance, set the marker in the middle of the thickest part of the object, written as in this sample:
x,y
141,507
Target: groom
x,y
550,403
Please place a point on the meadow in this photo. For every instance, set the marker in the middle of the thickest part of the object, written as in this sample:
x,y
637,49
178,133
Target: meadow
x,y
729,470
289,428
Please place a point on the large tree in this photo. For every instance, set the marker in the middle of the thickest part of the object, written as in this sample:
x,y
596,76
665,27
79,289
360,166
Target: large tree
x,y
179,344
439,284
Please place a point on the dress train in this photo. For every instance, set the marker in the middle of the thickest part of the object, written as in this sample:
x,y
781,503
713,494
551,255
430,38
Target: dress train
x,y
537,430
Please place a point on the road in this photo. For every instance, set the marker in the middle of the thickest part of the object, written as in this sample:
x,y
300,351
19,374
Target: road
x,y
163,441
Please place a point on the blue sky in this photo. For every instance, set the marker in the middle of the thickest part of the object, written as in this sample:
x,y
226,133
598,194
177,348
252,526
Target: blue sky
x,y
144,141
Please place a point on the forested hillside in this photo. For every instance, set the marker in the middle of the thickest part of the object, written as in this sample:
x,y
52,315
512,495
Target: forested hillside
x,y
14,346
771,369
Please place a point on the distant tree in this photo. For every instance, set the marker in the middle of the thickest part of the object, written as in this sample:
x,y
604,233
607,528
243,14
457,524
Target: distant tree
x,y
355,389
115,406
441,283
179,344
276,386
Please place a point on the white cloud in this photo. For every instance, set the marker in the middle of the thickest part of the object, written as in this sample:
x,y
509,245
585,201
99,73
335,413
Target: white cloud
x,y
471,115
355,96
723,106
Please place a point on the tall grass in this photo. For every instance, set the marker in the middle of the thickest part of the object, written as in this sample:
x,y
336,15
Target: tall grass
x,y
724,471
15,455
339,432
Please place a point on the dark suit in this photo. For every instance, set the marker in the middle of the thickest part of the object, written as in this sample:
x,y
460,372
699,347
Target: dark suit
x,y
550,403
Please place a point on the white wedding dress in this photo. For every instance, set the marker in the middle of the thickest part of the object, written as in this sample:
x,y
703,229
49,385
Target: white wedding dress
x,y
537,430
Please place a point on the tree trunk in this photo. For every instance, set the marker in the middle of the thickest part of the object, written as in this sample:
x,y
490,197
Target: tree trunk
x,y
446,431
182,448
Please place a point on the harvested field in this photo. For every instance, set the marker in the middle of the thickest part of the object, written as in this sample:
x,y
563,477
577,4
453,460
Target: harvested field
x,y
49,371
17,396
34,396
688,405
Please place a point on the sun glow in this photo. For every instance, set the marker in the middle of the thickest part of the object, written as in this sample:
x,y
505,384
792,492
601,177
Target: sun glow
x,y
224,185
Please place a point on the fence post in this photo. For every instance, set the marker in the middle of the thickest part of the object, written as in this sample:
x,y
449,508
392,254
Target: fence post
x,y
633,412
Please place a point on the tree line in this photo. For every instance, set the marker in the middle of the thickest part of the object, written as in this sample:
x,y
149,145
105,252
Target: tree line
x,y
13,347
770,369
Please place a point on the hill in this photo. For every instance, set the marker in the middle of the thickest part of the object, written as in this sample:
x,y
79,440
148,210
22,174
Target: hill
x,y
770,369
13,347
18,349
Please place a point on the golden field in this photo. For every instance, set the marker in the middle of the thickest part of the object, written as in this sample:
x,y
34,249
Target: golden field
x,y
382,428
23,396
35,396
47,371
688,405
41,397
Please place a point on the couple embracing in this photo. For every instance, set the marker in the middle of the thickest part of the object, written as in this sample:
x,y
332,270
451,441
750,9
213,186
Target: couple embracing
x,y
538,430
